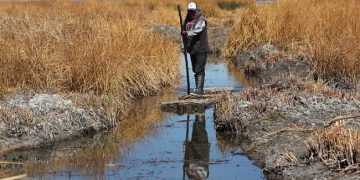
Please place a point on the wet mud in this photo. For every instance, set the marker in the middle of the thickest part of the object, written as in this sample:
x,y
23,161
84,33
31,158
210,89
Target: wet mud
x,y
279,115
30,119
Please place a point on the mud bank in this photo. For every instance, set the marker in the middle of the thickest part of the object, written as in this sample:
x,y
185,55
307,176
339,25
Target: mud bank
x,y
284,112
29,119
267,62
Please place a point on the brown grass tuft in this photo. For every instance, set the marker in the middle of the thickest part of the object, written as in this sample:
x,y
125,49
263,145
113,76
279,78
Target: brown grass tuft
x,y
13,115
89,47
337,147
99,48
328,31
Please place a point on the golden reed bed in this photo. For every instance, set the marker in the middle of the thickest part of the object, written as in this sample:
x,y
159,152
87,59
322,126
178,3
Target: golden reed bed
x,y
326,31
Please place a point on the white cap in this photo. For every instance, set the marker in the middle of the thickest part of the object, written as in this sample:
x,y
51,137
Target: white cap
x,y
191,6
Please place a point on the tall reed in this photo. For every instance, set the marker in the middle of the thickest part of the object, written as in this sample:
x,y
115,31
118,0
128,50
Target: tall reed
x,y
86,47
164,11
328,30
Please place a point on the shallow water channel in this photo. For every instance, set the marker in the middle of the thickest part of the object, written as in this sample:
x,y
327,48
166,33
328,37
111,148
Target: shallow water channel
x,y
150,144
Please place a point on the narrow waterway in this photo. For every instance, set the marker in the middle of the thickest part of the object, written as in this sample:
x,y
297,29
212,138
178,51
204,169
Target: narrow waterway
x,y
150,144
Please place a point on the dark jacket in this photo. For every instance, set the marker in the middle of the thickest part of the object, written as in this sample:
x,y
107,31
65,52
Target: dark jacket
x,y
197,151
198,43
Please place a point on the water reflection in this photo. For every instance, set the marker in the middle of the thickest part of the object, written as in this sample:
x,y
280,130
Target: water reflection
x,y
12,170
228,142
227,74
197,150
93,156
148,144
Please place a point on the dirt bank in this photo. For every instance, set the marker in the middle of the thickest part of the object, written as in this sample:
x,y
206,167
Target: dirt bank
x,y
285,113
267,62
30,119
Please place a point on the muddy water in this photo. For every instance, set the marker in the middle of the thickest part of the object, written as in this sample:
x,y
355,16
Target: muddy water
x,y
150,144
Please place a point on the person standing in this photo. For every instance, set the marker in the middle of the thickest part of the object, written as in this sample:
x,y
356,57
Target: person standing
x,y
197,151
197,44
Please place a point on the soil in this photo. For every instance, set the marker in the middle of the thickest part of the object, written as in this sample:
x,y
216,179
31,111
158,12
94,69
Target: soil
x,y
267,62
278,120
282,112
30,119
217,39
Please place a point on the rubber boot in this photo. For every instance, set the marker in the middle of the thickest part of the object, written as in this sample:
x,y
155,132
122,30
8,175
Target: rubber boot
x,y
196,84
200,85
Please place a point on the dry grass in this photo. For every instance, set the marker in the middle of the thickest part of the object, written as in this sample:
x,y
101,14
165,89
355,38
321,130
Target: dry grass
x,y
234,110
99,48
225,110
165,11
19,115
107,149
12,170
327,31
338,147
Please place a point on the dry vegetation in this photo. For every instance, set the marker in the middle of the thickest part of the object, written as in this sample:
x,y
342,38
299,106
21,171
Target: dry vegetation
x,y
99,48
284,91
218,12
338,147
327,31
105,151
286,106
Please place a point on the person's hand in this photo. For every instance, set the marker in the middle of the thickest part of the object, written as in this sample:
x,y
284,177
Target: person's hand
x,y
184,33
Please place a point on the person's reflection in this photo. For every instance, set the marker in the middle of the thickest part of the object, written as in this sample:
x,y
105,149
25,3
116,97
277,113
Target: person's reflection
x,y
196,164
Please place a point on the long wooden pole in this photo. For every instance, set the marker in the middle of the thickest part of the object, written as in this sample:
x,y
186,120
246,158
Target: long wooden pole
x,y
185,51
186,142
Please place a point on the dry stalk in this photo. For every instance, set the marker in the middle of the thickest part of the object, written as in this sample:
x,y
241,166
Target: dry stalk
x,y
297,129
289,156
336,146
336,120
326,32
96,48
